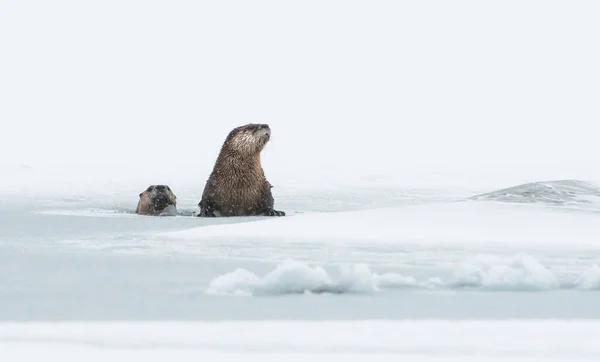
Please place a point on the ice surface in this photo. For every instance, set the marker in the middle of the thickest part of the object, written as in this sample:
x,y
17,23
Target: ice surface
x,y
434,340
433,224
387,243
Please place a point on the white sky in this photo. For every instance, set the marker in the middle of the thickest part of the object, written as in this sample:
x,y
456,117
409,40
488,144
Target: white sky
x,y
373,82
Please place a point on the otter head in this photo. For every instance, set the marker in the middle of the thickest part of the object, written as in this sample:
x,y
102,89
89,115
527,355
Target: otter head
x,y
159,196
249,139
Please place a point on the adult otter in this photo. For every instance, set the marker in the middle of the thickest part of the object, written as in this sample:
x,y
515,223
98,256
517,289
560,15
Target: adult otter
x,y
237,185
157,200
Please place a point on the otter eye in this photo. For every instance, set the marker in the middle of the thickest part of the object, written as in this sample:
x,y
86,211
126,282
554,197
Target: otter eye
x,y
149,189
168,188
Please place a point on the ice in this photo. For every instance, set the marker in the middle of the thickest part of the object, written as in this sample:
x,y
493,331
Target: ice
x,y
433,340
91,212
433,224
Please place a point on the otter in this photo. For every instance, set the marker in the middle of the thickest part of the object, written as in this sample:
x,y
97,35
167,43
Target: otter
x,y
237,185
157,200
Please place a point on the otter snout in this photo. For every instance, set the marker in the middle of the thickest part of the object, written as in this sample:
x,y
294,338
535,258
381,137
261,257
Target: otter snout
x,y
161,200
161,196
263,131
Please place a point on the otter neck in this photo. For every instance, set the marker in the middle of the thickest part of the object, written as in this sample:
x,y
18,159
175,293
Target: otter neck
x,y
241,163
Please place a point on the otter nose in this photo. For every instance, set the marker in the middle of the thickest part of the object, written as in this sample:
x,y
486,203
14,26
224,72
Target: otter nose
x,y
160,187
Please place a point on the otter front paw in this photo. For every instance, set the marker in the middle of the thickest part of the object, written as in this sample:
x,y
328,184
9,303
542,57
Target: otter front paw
x,y
206,213
273,212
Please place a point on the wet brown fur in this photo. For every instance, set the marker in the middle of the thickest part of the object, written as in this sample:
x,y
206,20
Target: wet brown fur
x,y
237,185
146,203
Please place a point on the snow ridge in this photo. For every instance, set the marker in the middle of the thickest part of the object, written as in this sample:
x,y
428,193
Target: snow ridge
x,y
558,192
520,273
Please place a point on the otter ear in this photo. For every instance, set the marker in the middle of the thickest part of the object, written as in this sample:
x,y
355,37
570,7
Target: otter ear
x,y
141,193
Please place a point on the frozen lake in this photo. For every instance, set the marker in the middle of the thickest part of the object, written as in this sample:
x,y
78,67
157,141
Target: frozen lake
x,y
404,254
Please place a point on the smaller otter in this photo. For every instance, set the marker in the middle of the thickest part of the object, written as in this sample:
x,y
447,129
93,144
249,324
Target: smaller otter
x,y
237,185
157,200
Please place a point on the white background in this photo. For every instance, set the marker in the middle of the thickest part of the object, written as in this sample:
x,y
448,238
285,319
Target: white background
x,y
381,85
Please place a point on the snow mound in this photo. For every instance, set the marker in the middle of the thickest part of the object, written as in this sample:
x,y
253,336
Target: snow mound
x,y
559,192
522,272
293,277
519,273
590,280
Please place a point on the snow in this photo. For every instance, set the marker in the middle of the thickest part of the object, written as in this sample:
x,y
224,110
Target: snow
x,y
518,273
434,340
521,272
432,224
590,279
295,277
